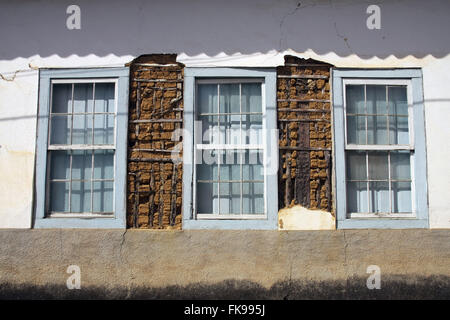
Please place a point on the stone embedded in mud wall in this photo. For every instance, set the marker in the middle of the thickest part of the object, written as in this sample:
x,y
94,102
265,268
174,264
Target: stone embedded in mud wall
x,y
155,113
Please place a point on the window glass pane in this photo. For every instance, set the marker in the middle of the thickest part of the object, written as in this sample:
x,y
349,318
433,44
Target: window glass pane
x,y
103,164
398,101
400,165
253,198
230,198
83,97
60,129
230,129
356,165
59,196
401,197
378,166
230,168
208,157
252,129
60,165
62,98
103,196
225,196
398,130
103,129
210,129
379,196
207,171
251,97
252,168
355,99
207,198
376,99
81,165
229,98
82,129
104,97
207,98
377,130
81,197
357,197
356,130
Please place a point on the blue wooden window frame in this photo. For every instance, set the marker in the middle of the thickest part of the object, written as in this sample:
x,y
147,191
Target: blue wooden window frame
x,y
420,167
118,220
191,75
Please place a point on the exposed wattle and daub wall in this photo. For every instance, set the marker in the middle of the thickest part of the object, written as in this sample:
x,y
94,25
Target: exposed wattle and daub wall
x,y
155,115
305,141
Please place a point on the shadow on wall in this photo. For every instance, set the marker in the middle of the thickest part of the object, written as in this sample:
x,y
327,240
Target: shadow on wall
x,y
393,287
408,27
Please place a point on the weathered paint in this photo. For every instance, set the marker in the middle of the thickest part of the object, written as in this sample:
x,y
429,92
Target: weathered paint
x,y
412,35
300,218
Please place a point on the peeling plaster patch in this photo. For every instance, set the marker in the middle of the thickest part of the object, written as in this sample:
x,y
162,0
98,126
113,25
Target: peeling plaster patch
x,y
7,69
16,174
300,218
13,75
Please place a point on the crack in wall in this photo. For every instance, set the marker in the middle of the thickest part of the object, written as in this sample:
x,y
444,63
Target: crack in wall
x,y
289,285
121,243
13,76
345,39
345,250
283,20
129,287
60,244
15,73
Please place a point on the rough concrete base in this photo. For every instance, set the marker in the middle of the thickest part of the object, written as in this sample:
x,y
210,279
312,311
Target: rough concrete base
x,y
225,264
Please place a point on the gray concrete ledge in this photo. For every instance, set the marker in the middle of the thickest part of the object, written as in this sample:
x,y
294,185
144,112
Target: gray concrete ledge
x,y
224,264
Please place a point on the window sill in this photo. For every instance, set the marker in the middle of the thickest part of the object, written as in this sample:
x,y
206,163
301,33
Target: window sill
x,y
382,223
366,216
231,217
232,224
82,222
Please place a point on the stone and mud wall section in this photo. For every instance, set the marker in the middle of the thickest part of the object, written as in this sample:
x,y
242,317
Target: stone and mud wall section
x,y
156,115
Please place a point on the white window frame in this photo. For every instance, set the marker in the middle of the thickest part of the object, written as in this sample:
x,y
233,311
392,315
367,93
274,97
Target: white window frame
x,y
412,78
117,218
192,220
